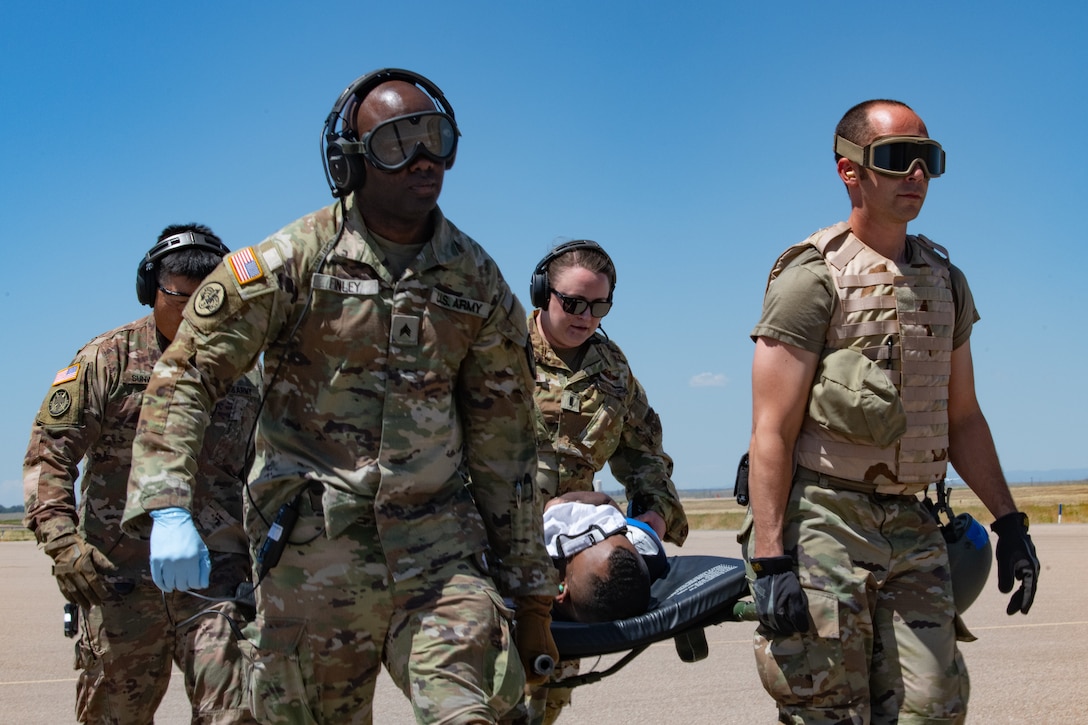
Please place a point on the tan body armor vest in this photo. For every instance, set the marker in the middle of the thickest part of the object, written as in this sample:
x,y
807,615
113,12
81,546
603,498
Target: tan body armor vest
x,y
901,317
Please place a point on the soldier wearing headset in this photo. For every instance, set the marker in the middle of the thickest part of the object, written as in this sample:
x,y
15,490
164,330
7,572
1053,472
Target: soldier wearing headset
x,y
131,633
591,412
396,435
863,392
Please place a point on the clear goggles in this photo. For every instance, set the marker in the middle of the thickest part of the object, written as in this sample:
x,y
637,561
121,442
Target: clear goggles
x,y
895,155
393,144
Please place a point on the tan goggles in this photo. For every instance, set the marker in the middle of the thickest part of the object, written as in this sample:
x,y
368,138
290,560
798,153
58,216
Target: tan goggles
x,y
895,155
393,144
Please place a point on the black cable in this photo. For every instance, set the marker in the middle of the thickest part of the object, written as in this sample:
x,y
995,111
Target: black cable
x,y
234,628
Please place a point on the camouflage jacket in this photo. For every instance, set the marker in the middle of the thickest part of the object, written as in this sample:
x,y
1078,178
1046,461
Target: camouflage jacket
x,y
596,415
90,414
394,394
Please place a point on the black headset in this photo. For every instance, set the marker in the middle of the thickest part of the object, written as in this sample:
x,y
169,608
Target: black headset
x,y
345,171
540,285
147,274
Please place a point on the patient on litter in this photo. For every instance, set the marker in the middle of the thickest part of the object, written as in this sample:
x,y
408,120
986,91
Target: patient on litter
x,y
606,561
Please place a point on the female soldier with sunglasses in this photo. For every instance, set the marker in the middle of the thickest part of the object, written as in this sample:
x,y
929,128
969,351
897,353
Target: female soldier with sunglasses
x,y
590,408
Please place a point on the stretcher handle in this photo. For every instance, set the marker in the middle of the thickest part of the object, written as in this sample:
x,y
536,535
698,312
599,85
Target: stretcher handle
x,y
544,665
744,611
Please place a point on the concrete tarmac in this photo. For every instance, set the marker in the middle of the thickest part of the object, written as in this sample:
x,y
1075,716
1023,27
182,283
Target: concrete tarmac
x,y
1024,669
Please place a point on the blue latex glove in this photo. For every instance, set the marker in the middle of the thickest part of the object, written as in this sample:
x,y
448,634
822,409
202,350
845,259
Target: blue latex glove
x,y
179,558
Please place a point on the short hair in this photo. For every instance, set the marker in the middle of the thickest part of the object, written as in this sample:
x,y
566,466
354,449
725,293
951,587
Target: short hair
x,y
191,262
625,593
854,125
586,258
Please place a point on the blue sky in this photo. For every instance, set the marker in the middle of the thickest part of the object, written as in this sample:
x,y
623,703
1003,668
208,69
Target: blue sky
x,y
692,140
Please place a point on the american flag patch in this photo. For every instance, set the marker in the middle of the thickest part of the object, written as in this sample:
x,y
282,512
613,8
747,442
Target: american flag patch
x,y
245,266
67,374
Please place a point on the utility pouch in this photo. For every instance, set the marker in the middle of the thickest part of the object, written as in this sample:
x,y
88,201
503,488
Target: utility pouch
x,y
740,485
71,619
278,535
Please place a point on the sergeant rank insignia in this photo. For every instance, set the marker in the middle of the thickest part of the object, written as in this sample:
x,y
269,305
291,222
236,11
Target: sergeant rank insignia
x,y
404,330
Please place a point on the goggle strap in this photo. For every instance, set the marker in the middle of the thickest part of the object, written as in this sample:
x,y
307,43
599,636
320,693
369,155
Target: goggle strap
x,y
850,150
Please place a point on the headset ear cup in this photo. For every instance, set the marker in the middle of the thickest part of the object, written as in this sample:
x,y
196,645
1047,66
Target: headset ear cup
x,y
347,171
146,283
538,289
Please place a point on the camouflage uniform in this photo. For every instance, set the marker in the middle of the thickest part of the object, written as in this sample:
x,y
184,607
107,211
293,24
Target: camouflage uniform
x,y
600,414
398,415
873,564
126,646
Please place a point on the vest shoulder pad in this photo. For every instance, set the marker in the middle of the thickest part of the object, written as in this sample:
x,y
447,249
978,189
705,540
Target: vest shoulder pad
x,y
936,251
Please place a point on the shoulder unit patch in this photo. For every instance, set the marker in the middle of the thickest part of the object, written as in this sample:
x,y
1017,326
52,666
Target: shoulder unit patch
x,y
209,299
59,402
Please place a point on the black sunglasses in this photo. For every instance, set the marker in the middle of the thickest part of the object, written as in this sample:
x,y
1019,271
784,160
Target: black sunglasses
x,y
174,293
574,305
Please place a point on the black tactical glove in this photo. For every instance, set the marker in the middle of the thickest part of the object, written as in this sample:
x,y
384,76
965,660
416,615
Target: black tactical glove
x,y
79,569
781,604
1016,558
533,637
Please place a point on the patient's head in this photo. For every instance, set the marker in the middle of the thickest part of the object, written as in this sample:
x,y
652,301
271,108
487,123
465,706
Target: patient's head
x,y
607,581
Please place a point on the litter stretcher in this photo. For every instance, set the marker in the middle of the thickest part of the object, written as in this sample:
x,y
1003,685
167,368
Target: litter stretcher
x,y
698,592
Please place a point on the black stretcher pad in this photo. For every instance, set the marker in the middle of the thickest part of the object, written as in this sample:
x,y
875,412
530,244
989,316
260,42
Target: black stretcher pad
x,y
698,591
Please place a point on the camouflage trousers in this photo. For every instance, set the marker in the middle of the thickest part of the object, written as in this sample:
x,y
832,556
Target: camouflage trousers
x,y
329,617
127,648
881,647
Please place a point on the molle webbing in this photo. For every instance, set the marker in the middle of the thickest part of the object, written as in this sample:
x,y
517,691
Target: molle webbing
x,y
901,317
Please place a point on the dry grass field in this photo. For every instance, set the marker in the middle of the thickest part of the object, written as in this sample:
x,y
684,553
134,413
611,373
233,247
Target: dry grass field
x,y
1040,501
11,529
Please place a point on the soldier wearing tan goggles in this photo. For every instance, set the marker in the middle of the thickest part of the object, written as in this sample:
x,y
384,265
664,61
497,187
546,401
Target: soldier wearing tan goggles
x,y
895,155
